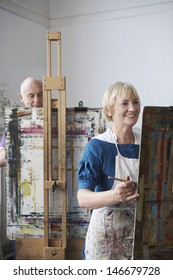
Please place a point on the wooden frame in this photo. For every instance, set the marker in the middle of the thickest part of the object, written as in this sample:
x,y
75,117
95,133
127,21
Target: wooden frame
x,y
54,83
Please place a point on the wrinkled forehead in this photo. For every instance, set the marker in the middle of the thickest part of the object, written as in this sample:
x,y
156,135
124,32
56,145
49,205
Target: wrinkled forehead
x,y
33,87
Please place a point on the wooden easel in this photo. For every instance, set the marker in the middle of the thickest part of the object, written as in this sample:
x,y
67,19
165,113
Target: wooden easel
x,y
50,83
46,247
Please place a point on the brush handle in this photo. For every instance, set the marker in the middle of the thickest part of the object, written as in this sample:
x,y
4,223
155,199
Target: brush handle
x,y
117,179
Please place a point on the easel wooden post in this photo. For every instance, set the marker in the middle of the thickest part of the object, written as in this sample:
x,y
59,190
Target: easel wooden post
x,y
58,251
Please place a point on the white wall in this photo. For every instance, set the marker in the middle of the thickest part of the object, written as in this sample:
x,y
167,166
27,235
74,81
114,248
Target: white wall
x,y
22,51
135,48
60,9
41,7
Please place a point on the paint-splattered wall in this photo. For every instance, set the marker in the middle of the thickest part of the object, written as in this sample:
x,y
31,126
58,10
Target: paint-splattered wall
x,y
24,172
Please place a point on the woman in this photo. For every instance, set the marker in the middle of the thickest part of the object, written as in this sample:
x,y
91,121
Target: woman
x,y
111,154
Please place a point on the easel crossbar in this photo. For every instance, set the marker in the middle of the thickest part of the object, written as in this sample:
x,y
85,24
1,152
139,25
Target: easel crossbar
x,y
54,83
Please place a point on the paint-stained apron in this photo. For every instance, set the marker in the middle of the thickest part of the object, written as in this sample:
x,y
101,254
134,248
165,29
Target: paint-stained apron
x,y
111,229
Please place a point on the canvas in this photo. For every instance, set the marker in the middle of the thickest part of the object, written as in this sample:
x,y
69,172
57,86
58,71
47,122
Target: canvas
x,y
154,213
24,171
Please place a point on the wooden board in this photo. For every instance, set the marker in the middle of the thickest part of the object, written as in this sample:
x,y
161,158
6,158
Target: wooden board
x,y
32,248
154,213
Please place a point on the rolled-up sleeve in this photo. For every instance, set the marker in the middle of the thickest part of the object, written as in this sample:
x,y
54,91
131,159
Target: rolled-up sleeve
x,y
89,171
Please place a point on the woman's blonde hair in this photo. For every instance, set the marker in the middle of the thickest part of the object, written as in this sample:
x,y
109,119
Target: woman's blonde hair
x,y
110,95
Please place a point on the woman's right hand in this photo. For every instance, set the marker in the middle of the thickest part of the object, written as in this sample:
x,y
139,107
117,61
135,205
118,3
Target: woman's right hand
x,y
125,191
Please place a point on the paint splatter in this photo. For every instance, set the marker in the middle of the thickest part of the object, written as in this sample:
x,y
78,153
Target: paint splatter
x,y
24,176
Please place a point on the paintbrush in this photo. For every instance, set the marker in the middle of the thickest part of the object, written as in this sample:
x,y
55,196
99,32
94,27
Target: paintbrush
x,y
117,179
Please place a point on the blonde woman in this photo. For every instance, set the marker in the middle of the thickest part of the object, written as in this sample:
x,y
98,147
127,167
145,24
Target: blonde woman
x,y
112,154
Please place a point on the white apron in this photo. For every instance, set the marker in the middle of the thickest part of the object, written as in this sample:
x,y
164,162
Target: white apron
x,y
110,231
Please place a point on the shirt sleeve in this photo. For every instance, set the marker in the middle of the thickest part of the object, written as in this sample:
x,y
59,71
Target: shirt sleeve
x,y
2,141
89,171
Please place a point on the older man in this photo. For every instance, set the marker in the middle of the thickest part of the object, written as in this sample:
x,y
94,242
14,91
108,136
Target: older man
x,y
31,95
